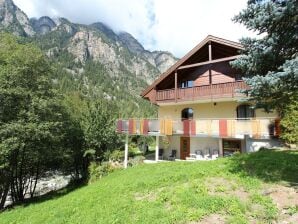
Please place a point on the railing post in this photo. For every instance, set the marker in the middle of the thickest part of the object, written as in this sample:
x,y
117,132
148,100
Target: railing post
x,y
193,93
157,149
126,152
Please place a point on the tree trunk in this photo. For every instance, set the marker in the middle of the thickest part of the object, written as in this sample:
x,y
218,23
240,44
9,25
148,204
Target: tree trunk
x,y
4,195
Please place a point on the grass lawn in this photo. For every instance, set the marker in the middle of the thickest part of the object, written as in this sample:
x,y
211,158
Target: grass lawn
x,y
251,188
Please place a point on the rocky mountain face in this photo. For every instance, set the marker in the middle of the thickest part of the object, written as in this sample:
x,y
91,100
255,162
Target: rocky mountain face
x,y
43,25
160,59
97,42
92,59
12,19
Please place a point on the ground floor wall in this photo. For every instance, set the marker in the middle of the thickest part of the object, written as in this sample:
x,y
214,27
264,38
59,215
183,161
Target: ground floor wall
x,y
205,143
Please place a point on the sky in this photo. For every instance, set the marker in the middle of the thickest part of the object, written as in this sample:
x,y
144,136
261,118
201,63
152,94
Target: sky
x,y
169,25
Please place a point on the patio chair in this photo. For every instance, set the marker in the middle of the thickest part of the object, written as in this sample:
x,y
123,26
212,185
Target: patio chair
x,y
215,154
160,154
173,155
207,153
199,155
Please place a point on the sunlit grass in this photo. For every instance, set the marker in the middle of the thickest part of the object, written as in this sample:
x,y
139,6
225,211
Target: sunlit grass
x,y
173,192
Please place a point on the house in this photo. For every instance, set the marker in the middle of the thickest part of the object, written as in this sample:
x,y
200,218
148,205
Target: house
x,y
200,108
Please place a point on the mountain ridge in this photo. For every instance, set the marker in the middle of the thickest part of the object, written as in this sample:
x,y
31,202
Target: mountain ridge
x,y
14,19
91,59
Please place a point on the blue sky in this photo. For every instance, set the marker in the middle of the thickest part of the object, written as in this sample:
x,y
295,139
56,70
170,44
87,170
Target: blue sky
x,y
170,25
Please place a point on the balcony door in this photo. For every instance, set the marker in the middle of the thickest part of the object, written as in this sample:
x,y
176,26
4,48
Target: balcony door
x,y
187,114
184,147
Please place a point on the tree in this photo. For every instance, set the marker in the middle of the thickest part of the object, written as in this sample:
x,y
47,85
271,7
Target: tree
x,y
98,123
270,63
289,123
32,119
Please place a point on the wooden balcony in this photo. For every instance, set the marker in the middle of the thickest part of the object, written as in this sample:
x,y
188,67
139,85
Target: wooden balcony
x,y
214,91
262,128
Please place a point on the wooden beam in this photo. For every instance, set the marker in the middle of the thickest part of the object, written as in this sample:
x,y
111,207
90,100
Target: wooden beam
x,y
210,51
210,59
176,85
209,62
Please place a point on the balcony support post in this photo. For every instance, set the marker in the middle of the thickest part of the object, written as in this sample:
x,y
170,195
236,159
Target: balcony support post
x,y
157,148
176,80
220,147
126,152
246,142
210,51
210,72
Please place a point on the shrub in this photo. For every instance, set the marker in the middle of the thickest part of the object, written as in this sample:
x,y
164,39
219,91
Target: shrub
x,y
98,170
133,150
114,156
137,160
289,123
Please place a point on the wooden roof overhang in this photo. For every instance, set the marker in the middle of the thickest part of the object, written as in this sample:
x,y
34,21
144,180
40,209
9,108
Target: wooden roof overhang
x,y
222,50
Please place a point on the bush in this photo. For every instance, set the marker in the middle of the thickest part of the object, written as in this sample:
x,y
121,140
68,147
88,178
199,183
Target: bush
x,y
137,160
289,123
114,156
133,150
99,170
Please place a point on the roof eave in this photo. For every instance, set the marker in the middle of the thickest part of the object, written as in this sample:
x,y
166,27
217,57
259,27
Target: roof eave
x,y
188,55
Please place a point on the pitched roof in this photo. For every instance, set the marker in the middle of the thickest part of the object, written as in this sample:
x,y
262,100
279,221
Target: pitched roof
x,y
188,55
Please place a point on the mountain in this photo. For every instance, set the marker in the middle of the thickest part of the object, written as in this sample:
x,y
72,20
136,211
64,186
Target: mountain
x,y
91,59
43,25
14,20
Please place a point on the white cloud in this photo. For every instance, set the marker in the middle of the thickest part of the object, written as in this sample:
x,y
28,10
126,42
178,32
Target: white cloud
x,y
171,25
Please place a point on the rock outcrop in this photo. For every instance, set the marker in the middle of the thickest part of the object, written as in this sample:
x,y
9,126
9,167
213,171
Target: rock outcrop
x,y
14,20
118,52
43,25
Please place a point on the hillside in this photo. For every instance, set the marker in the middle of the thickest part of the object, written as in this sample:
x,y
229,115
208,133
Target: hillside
x,y
243,189
91,59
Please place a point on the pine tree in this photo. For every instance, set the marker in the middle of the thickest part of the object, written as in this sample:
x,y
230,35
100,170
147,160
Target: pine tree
x,y
270,62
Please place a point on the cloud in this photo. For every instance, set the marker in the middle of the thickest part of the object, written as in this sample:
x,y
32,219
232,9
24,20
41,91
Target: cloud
x,y
171,25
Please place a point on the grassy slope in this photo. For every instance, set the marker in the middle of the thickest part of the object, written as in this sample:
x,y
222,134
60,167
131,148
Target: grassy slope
x,y
176,192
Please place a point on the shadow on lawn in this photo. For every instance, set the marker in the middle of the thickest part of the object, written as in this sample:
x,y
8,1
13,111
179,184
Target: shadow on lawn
x,y
268,165
48,196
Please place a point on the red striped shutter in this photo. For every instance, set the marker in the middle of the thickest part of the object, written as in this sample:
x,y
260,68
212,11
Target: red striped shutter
x,y
145,127
223,128
130,126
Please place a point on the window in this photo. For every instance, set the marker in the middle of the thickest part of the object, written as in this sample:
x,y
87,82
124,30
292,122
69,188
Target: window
x,y
231,146
245,111
186,84
187,114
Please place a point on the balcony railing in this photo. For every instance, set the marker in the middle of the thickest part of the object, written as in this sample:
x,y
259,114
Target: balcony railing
x,y
226,128
222,90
